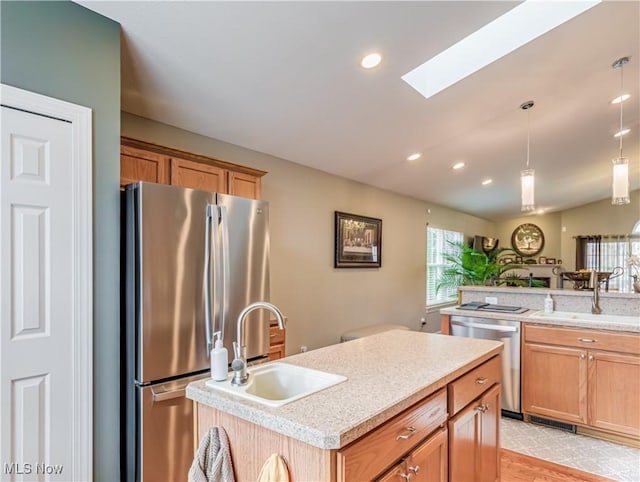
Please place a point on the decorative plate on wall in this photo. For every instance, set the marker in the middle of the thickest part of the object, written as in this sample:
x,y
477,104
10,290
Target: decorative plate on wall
x,y
527,239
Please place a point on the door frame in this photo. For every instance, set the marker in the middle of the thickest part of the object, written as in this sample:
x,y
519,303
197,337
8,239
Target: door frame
x,y
80,118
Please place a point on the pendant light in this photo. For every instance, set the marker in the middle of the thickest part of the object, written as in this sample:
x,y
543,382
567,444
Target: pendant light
x,y
620,185
527,176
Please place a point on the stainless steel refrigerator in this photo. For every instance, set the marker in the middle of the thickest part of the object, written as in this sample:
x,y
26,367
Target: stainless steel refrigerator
x,y
192,260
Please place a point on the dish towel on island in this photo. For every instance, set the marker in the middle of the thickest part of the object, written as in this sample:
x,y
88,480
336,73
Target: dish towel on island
x,y
274,470
212,463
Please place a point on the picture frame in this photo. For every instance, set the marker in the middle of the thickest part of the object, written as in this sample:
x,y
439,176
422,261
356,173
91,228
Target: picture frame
x,y
518,260
527,240
358,241
508,260
542,260
551,260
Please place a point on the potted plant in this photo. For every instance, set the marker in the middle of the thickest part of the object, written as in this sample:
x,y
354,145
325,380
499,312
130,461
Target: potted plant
x,y
469,266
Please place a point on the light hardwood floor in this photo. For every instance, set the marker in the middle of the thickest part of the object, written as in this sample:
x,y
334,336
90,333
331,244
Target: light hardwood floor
x,y
516,467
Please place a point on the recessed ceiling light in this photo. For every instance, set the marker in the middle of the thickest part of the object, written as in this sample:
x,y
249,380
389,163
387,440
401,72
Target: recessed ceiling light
x,y
520,25
458,165
486,182
370,61
620,98
414,157
622,132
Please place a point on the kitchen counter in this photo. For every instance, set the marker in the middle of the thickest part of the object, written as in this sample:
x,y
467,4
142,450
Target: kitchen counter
x,y
600,322
386,373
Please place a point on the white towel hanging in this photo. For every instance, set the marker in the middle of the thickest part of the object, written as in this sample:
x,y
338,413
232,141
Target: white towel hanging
x,y
213,463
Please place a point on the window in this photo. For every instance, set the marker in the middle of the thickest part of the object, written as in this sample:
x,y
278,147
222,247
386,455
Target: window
x,y
605,253
438,244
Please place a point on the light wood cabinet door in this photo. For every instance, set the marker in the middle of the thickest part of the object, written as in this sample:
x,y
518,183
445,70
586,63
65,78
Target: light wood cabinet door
x,y
245,185
426,463
555,382
197,175
474,440
140,165
613,392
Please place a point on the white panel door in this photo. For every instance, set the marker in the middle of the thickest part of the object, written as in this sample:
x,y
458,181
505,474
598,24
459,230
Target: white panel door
x,y
37,297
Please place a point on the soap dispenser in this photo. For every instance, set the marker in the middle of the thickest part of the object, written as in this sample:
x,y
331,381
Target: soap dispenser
x,y
548,304
219,359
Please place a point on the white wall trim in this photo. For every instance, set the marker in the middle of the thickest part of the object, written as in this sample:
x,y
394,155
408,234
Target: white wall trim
x,y
81,119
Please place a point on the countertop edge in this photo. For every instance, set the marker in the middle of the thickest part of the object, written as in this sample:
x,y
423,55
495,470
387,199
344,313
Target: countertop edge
x,y
526,318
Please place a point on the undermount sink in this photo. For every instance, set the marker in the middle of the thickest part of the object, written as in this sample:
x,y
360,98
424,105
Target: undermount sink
x,y
571,316
276,384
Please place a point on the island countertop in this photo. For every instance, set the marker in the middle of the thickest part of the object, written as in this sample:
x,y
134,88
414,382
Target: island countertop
x,y
386,373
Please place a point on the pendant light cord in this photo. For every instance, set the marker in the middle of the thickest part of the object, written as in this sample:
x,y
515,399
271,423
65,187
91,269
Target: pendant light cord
x,y
529,134
621,102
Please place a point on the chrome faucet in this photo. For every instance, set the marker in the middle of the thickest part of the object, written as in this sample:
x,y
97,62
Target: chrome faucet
x,y
595,284
239,363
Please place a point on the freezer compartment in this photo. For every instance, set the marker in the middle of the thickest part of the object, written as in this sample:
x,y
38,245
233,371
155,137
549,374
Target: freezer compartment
x,y
167,439
508,332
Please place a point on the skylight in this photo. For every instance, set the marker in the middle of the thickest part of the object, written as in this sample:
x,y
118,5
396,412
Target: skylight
x,y
520,25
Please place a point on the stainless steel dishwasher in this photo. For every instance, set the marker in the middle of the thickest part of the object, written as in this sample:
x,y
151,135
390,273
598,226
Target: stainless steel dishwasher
x,y
508,332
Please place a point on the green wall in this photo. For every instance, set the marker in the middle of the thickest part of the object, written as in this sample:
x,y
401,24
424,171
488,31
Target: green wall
x,y
63,50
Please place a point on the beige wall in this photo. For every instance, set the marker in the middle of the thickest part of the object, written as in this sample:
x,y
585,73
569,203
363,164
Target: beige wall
x,y
596,218
322,302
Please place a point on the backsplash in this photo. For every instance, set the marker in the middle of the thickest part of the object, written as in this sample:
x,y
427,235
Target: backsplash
x,y
626,304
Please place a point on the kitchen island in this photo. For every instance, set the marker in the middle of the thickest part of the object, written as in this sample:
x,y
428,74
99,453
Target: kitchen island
x,y
405,392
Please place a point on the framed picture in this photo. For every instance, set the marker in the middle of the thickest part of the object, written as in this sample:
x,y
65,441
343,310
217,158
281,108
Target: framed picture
x,y
508,260
558,261
527,240
542,260
551,260
518,260
358,241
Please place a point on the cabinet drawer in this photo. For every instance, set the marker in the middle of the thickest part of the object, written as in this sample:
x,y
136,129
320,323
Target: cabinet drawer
x,y
276,335
371,454
581,338
468,387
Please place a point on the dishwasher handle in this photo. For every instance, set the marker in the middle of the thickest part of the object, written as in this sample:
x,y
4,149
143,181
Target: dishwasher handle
x,y
485,326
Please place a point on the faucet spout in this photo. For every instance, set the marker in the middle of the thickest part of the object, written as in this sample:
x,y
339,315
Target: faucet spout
x,y
595,301
239,364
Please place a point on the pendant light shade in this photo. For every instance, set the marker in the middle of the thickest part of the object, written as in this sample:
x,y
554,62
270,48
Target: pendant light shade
x,y
527,176
527,183
620,184
620,187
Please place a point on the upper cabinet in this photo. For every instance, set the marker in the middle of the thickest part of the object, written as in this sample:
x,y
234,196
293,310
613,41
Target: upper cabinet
x,y
142,161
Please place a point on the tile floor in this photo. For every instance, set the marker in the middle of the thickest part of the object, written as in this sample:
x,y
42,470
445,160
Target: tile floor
x,y
607,459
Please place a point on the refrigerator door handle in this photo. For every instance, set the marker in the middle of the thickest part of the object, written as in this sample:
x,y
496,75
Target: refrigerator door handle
x,y
224,258
164,395
211,213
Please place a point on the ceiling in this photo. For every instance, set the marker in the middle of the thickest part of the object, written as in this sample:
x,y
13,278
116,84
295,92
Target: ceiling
x,y
283,78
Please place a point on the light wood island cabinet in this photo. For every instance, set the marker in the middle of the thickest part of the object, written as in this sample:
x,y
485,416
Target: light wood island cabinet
x,y
585,377
417,444
143,161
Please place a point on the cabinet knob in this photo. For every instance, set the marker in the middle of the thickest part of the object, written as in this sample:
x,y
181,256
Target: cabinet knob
x,y
410,432
482,408
590,357
588,340
404,476
415,469
481,380
582,355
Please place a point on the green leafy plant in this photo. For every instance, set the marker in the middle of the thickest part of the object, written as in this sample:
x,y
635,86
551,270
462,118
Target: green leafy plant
x,y
469,266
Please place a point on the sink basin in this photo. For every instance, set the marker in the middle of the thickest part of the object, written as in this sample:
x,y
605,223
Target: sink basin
x,y
571,316
276,384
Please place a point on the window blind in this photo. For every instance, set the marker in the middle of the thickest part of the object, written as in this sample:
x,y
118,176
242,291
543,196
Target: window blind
x,y
438,244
